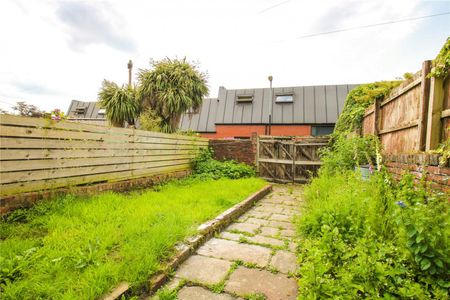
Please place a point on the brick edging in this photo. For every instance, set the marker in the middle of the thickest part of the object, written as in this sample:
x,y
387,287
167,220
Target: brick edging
x,y
206,231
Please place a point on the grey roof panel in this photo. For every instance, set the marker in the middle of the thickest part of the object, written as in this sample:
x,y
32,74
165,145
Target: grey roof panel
x,y
212,115
310,109
257,106
298,106
204,112
342,91
320,104
230,101
332,103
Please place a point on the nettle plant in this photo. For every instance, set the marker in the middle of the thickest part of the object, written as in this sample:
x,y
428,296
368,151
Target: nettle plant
x,y
422,218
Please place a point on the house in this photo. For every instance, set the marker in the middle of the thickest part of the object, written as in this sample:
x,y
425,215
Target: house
x,y
87,112
292,111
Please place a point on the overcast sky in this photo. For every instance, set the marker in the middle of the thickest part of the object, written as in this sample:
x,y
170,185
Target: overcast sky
x,y
54,51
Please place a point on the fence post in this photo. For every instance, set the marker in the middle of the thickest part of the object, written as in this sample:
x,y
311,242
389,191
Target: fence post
x,y
257,154
377,117
435,107
423,104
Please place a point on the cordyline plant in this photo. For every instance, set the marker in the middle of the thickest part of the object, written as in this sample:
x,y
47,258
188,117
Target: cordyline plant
x,y
120,103
171,88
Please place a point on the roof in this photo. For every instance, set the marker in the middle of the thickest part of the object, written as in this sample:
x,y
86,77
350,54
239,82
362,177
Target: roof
x,y
90,110
311,105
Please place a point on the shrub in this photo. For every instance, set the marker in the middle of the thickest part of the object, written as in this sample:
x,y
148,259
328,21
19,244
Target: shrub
x,y
205,166
371,239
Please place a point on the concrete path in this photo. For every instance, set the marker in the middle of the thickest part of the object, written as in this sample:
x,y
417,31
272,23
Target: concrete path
x,y
253,258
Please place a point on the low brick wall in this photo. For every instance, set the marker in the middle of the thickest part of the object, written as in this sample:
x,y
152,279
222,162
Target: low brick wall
x,y
420,165
24,200
239,150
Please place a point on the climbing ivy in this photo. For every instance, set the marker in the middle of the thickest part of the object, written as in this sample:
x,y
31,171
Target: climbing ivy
x,y
441,64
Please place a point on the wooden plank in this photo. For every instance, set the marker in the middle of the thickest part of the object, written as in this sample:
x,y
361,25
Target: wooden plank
x,y
445,113
27,154
435,113
22,165
398,92
257,154
14,131
400,127
423,104
288,162
23,176
23,187
25,143
74,126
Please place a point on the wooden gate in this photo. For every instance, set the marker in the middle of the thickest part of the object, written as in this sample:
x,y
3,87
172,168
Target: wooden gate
x,y
288,159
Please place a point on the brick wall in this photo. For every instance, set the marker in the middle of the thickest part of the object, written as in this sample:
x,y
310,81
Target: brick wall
x,y
420,165
238,150
232,131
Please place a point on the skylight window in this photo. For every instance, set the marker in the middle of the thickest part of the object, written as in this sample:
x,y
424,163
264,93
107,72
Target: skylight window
x,y
284,98
244,98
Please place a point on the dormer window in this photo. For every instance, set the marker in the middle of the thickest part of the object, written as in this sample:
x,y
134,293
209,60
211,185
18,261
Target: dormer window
x,y
244,98
80,110
287,98
102,111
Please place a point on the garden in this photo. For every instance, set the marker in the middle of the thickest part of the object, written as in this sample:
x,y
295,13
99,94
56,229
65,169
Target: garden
x,y
81,247
372,237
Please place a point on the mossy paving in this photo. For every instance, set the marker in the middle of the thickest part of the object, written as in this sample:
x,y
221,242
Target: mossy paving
x,y
253,258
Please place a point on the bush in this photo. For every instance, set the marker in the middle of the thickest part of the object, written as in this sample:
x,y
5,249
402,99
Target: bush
x,y
205,166
370,239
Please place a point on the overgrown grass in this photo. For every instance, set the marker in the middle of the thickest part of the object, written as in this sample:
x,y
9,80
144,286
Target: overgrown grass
x,y
373,239
79,248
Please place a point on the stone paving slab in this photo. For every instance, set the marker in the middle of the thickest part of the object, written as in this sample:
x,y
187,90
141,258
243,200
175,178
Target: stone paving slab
x,y
243,227
280,217
269,231
287,233
231,236
203,269
259,239
199,293
232,250
269,208
258,214
280,224
257,221
284,261
246,281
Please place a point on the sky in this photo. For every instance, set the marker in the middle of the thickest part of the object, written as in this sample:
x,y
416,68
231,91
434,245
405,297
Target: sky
x,y
54,51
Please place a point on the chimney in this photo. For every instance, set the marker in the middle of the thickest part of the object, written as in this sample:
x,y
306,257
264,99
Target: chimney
x,y
130,67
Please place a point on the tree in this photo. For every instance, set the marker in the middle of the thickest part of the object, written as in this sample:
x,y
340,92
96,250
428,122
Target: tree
x,y
120,103
171,88
28,110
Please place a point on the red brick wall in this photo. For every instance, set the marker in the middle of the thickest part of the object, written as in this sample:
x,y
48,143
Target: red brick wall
x,y
231,131
238,150
420,165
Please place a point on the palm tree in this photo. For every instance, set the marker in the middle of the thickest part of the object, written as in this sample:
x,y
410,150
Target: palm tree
x,y
120,103
170,89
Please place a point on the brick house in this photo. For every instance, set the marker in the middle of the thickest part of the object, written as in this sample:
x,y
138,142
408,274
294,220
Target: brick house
x,y
292,111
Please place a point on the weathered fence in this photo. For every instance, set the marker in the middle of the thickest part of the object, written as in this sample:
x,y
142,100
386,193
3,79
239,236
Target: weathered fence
x,y
414,117
289,159
40,154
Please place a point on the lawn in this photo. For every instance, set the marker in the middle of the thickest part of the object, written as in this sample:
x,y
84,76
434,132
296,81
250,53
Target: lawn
x,y
79,248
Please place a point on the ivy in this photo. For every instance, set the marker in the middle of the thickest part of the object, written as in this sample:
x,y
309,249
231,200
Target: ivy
x,y
441,64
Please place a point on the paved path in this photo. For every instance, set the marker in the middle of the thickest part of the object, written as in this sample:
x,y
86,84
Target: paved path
x,y
254,256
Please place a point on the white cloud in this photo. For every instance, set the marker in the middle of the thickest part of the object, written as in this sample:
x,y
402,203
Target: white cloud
x,y
54,51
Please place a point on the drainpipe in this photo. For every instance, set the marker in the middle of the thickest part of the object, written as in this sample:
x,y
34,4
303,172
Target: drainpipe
x,y
270,104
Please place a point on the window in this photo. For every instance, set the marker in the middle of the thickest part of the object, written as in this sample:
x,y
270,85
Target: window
x,y
284,98
244,98
102,111
80,110
321,130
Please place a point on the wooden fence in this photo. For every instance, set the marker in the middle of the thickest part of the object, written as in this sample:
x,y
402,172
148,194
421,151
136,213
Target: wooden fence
x,y
39,154
414,117
288,159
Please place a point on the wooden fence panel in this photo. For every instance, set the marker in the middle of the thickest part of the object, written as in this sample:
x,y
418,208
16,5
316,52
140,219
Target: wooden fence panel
x,y
413,117
39,154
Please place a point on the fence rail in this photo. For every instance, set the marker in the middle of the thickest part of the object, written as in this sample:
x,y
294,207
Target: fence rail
x,y
40,154
414,117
